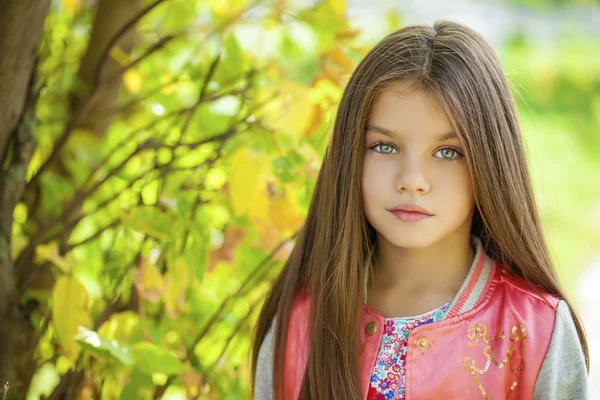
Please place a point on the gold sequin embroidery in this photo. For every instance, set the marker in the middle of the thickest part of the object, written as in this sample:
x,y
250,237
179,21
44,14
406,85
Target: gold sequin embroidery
x,y
479,332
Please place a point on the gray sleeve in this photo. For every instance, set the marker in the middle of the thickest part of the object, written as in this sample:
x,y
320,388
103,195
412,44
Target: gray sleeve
x,y
563,374
263,384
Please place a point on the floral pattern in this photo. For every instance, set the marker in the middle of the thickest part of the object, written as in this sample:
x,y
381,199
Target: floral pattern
x,y
387,380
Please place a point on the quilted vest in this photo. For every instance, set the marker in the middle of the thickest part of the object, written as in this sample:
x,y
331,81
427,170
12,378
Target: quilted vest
x,y
490,345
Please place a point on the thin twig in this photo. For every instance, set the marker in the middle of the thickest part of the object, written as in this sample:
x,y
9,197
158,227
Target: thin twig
x,y
234,333
85,104
80,196
256,272
155,47
124,29
94,236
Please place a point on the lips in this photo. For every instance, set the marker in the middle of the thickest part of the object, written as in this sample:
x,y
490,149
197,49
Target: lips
x,y
410,208
409,212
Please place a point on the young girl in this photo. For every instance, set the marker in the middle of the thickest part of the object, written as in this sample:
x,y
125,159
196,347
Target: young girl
x,y
422,270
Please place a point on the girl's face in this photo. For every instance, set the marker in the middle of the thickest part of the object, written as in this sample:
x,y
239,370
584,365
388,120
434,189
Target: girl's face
x,y
413,157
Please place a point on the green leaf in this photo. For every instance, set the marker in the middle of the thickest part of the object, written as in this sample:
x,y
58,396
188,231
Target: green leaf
x,y
138,382
196,254
207,122
151,358
124,327
156,223
232,61
91,341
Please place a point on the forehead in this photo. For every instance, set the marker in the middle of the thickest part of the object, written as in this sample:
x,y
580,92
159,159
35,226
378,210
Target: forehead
x,y
408,111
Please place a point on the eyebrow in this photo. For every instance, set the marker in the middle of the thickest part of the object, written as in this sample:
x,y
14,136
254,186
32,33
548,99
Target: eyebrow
x,y
391,133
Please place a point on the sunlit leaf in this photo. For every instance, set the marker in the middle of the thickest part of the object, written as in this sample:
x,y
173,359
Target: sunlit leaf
x,y
232,60
49,252
69,311
148,281
248,174
285,213
292,112
153,221
71,6
103,347
133,80
177,280
151,358
124,327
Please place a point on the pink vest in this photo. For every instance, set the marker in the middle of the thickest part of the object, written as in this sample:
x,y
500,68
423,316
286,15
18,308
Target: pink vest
x,y
490,345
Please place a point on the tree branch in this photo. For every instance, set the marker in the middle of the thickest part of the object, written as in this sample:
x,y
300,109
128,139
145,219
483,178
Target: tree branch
x,y
85,105
119,34
155,47
94,236
257,272
238,327
80,196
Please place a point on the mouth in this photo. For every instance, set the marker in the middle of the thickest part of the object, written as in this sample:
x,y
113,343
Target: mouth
x,y
410,212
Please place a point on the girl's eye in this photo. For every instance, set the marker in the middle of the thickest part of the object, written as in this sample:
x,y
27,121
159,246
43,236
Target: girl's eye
x,y
386,148
449,154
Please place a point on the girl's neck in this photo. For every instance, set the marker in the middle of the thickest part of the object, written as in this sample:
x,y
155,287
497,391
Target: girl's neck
x,y
435,273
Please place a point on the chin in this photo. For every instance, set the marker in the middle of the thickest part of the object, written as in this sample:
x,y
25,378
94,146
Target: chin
x,y
411,239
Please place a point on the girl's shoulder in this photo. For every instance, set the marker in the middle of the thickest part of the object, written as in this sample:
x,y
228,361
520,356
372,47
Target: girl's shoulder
x,y
518,286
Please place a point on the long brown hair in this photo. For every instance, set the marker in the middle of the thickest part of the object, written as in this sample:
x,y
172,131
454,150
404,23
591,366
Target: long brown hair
x,y
460,70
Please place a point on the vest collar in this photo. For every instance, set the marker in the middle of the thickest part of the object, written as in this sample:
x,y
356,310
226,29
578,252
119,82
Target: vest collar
x,y
475,286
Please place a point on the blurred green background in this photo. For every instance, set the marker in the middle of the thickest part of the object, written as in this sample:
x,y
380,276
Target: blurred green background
x,y
177,144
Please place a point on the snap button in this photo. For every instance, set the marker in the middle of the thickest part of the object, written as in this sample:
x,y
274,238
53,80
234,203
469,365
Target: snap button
x,y
422,343
371,328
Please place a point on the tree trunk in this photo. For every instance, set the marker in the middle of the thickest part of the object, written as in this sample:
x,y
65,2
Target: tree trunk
x,y
96,66
21,27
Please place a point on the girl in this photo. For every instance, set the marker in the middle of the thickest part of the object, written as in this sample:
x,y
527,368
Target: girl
x,y
422,270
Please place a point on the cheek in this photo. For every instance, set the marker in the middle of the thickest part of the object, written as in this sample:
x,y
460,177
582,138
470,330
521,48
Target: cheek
x,y
457,186
373,178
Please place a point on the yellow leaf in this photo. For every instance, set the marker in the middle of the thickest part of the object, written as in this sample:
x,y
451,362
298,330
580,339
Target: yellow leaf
x,y
338,7
148,281
269,237
17,245
124,327
324,92
49,252
119,55
291,111
20,213
133,80
71,6
285,213
342,59
227,7
177,280
169,87
248,174
69,311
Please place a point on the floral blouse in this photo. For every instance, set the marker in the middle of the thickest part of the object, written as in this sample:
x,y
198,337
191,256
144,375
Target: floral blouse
x,y
387,381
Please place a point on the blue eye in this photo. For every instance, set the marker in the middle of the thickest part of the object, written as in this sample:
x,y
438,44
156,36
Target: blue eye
x,y
449,154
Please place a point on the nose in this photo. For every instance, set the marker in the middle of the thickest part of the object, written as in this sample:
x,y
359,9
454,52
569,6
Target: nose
x,y
411,176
